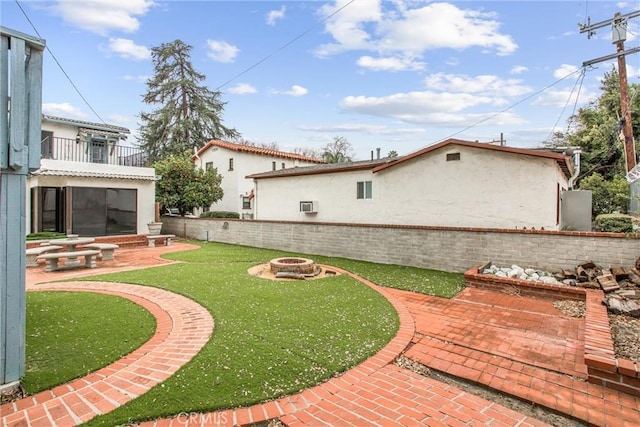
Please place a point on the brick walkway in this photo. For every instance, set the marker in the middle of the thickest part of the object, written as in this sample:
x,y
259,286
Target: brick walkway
x,y
523,347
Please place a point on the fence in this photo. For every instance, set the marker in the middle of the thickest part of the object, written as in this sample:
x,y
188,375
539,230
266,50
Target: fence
x,y
73,150
440,248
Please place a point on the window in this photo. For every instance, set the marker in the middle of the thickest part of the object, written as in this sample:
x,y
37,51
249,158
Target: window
x,y
246,202
103,211
231,164
283,165
46,144
453,156
98,151
209,165
363,190
273,166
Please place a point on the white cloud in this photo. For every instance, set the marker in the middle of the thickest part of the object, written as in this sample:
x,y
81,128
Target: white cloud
x,y
432,108
365,26
295,90
518,69
274,15
221,51
390,64
120,119
347,26
242,89
563,97
564,70
63,109
128,49
488,85
103,16
362,128
140,78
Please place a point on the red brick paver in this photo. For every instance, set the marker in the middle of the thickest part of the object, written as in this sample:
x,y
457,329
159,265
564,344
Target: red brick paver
x,y
178,319
523,347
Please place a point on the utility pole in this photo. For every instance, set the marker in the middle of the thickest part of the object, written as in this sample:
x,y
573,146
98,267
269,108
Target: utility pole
x,y
619,33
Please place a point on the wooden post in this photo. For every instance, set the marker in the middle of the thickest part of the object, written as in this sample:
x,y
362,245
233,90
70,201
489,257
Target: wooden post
x,y
627,126
20,65
157,212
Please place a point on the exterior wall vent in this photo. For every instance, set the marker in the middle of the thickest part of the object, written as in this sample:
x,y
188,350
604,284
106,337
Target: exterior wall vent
x,y
309,207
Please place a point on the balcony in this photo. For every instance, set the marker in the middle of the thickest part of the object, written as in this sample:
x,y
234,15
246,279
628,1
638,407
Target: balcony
x,y
92,151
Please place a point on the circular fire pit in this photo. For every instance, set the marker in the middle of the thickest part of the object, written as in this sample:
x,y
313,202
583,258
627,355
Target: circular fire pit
x,y
292,265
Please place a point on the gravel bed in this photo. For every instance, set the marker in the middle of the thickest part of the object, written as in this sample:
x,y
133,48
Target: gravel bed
x,y
626,336
625,330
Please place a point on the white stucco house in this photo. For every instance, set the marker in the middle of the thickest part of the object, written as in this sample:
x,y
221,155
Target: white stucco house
x,y
234,162
88,183
454,183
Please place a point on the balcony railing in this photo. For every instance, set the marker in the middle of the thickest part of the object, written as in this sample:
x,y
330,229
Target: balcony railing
x,y
110,153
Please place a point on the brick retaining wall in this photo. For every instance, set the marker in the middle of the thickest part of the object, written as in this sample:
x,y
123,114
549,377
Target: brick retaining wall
x,y
525,288
441,248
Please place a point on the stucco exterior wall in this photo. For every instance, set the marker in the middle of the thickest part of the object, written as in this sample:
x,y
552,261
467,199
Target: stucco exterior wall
x,y
234,184
482,189
440,248
60,130
145,186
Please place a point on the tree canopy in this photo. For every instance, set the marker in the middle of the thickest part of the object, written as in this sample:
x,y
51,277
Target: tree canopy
x,y
338,151
188,114
597,130
184,186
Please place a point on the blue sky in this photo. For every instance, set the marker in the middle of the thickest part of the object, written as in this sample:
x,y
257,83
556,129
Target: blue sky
x,y
396,75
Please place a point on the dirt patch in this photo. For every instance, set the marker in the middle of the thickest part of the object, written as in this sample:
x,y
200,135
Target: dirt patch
x,y
524,407
264,272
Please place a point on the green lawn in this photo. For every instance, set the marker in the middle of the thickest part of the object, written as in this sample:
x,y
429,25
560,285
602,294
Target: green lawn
x,y
69,337
271,338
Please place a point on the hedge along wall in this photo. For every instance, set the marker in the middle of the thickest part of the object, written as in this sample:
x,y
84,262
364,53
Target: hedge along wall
x,y
440,248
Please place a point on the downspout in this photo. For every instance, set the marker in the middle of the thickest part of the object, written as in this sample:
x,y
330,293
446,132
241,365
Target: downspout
x,y
255,198
575,155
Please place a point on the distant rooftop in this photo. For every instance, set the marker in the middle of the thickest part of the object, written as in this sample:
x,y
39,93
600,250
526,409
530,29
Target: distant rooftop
x,y
257,150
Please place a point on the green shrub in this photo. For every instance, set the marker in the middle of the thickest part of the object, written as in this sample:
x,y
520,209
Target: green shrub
x,y
220,214
46,235
614,223
607,196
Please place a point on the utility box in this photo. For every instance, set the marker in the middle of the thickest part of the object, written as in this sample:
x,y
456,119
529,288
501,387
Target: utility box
x,y
575,210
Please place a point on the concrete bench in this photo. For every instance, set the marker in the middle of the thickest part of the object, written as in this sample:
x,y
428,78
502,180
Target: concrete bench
x,y
167,238
72,259
107,250
32,254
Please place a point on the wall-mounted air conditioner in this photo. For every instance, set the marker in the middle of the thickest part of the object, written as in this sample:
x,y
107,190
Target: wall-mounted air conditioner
x,y
309,207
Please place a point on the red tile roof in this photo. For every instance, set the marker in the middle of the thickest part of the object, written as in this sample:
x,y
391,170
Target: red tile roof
x,y
256,150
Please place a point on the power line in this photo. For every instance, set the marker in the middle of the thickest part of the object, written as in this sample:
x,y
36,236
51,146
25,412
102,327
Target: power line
x,y
284,46
509,107
59,64
580,80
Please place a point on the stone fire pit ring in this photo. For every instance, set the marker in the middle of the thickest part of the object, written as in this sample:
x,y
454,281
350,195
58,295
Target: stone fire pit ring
x,y
292,265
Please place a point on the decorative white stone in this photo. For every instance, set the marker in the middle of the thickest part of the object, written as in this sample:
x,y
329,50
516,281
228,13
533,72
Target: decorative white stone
x,y
513,274
529,271
501,273
548,280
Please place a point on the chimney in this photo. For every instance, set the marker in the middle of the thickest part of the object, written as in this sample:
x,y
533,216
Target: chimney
x,y
378,151
371,155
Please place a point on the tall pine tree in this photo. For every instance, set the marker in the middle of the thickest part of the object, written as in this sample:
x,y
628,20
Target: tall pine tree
x,y
188,114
